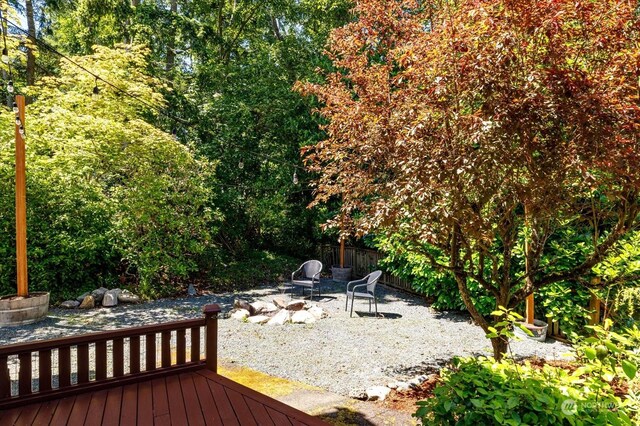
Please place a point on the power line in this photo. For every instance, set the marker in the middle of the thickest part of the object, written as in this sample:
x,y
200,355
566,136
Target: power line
x,y
132,96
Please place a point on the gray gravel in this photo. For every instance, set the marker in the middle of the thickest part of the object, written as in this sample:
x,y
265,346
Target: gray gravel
x,y
338,353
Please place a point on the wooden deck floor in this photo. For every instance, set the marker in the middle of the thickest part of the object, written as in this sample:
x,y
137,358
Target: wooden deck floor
x,y
197,398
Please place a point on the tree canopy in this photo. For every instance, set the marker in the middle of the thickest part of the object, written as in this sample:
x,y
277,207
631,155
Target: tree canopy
x,y
480,131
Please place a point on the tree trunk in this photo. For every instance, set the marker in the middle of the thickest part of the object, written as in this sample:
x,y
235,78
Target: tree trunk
x,y
31,29
171,43
500,346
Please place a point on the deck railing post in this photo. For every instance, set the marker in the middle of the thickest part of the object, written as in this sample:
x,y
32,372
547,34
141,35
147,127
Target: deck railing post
x,y
211,337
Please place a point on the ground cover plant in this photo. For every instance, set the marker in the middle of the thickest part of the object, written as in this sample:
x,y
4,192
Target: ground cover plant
x,y
485,134
599,387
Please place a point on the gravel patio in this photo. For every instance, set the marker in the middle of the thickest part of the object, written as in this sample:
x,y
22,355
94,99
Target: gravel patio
x,y
338,353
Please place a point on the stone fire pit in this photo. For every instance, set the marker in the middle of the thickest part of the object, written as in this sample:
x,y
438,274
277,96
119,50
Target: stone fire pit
x,y
277,312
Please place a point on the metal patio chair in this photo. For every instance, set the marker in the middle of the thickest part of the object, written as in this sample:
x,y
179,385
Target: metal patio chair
x,y
368,285
307,276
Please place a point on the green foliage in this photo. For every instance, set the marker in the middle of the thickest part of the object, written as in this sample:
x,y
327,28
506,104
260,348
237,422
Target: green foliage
x,y
567,303
112,199
608,354
437,285
480,391
586,392
256,268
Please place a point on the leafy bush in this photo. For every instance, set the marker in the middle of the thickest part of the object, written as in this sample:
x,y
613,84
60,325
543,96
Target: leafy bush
x,y
481,391
438,286
257,267
601,388
111,198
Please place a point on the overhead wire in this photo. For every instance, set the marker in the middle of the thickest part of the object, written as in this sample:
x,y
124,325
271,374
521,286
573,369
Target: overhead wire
x,y
151,106
134,97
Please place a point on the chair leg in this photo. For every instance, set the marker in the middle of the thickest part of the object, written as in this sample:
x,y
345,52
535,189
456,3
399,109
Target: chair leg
x,y
376,302
352,298
346,302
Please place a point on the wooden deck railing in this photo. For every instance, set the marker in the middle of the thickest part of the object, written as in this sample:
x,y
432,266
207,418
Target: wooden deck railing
x,y
117,358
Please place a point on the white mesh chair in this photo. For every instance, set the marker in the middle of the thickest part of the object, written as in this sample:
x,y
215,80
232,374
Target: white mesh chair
x,y
365,289
307,276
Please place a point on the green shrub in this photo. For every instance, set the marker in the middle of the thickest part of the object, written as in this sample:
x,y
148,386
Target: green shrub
x,y
481,391
600,388
110,196
438,286
255,268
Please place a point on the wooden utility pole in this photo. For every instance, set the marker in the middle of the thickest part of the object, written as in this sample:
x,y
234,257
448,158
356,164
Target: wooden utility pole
x,y
21,205
530,306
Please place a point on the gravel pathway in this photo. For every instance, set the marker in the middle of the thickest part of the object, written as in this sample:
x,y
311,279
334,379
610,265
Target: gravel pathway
x,y
338,353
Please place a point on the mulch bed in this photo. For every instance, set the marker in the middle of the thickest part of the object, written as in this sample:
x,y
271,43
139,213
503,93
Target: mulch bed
x,y
406,400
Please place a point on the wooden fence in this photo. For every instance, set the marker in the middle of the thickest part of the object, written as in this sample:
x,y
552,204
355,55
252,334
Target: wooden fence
x,y
363,261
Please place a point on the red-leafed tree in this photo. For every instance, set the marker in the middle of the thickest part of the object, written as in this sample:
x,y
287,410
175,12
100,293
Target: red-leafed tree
x,y
470,127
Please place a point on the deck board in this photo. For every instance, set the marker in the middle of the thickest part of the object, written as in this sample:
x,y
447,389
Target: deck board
x,y
176,401
192,405
96,408
112,407
129,407
196,398
145,403
45,414
63,410
80,408
207,403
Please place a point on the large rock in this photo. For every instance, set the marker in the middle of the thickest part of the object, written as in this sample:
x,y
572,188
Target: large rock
x,y
191,291
127,297
88,302
377,393
302,317
70,304
81,297
280,318
317,312
243,304
111,297
258,307
280,302
295,305
240,314
270,307
258,319
98,294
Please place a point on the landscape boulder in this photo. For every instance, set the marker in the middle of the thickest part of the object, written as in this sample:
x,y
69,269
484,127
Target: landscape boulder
x,y
302,317
295,305
240,314
111,297
317,312
127,297
282,317
191,290
377,393
258,319
81,297
70,304
98,294
280,302
88,302
243,304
